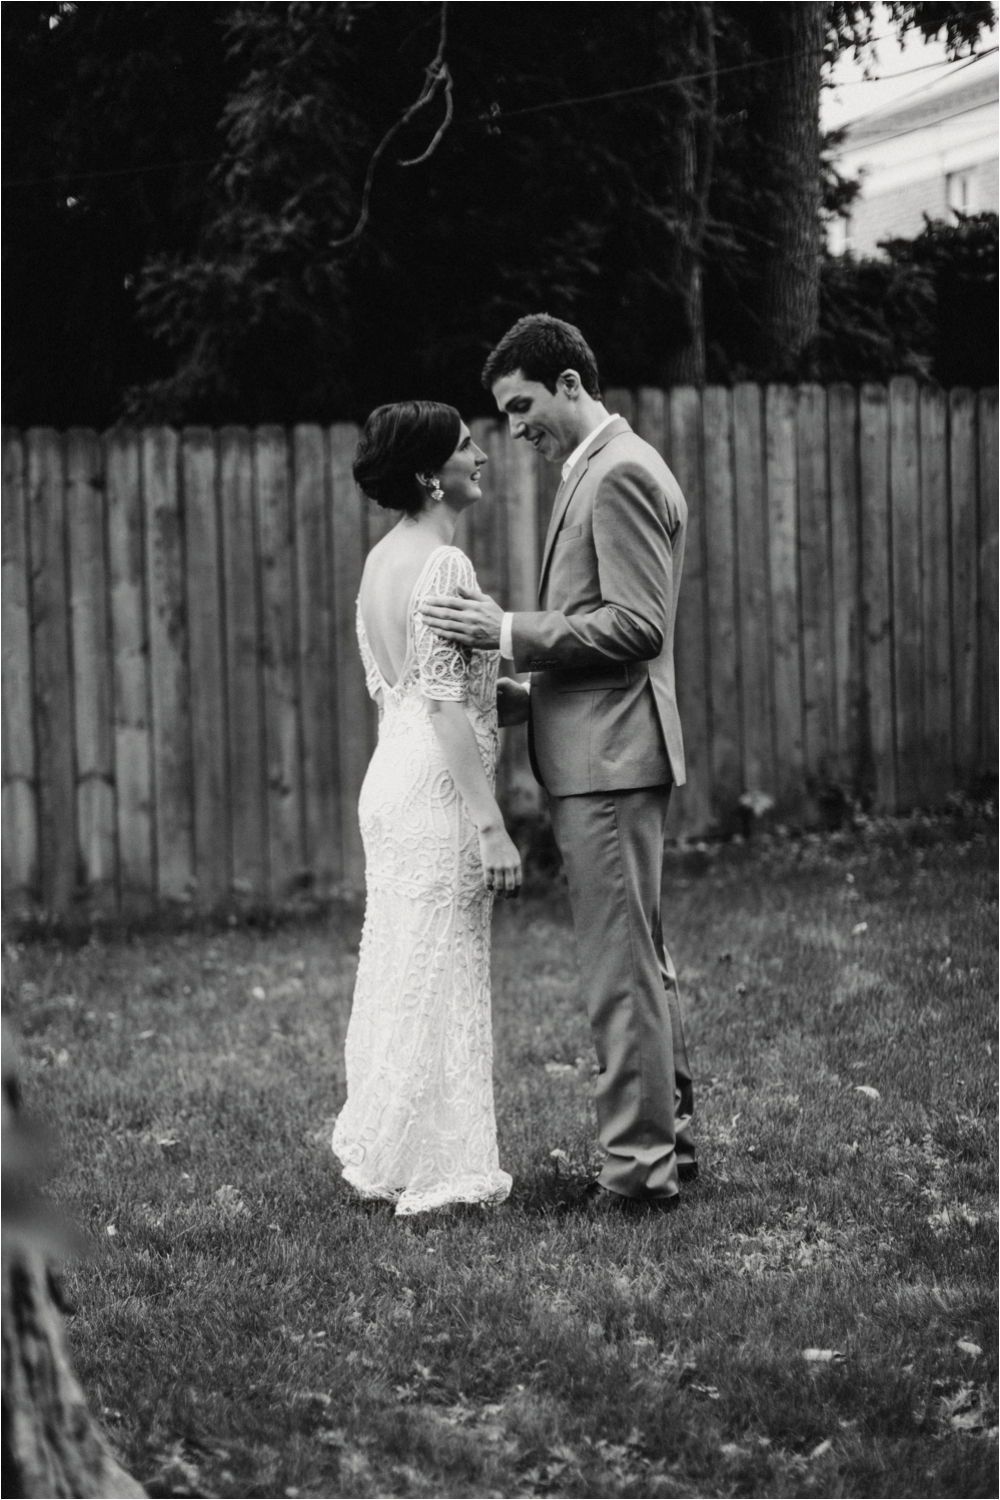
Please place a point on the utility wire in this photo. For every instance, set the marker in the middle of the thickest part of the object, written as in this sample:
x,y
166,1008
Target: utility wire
x,y
958,63
878,140
494,116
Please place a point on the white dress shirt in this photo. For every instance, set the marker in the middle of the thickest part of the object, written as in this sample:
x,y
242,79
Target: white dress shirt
x,y
507,623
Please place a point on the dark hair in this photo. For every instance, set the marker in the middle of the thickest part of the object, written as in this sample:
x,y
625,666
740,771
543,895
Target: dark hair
x,y
542,347
397,443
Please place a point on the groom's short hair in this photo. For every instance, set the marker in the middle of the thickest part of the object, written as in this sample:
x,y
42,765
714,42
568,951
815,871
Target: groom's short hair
x,y
542,347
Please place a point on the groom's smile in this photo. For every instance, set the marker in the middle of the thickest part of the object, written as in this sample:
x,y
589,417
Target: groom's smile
x,y
548,420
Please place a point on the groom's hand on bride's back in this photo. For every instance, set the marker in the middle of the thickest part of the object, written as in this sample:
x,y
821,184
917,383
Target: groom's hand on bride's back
x,y
469,617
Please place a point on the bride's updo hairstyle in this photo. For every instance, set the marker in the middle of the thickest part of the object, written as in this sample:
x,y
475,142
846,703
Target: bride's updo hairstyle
x,y
399,442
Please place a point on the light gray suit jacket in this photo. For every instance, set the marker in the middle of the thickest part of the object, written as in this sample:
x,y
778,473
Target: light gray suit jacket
x,y
601,650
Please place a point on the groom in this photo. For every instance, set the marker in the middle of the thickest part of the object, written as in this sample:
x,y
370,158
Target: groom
x,y
604,733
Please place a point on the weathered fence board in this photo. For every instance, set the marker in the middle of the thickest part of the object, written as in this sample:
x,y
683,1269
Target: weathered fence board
x,y
353,707
53,681
988,579
935,740
244,697
963,497
185,713
133,749
908,641
756,655
845,558
820,729
727,780
20,803
878,765
279,645
323,853
783,539
168,665
91,657
203,582
691,812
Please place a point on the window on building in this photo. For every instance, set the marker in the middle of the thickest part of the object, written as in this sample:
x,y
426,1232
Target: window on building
x,y
960,187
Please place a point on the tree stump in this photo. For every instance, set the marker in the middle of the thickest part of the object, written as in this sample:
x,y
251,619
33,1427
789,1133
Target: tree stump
x,y
52,1446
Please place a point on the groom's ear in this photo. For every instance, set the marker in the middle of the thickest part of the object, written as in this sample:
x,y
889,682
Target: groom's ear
x,y
571,383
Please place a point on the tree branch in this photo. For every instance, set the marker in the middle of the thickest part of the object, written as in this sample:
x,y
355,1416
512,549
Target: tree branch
x,y
435,75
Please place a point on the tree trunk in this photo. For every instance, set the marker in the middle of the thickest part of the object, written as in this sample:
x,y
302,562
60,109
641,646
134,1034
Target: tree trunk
x,y
789,310
691,173
52,1447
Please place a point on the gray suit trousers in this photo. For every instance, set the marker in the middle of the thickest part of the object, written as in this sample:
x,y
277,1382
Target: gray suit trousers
x,y
612,849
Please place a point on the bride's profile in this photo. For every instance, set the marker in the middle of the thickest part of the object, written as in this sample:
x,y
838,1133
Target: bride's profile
x,y
418,1127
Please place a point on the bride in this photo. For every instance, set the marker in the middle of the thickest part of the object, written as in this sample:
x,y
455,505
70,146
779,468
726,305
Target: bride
x,y
418,1127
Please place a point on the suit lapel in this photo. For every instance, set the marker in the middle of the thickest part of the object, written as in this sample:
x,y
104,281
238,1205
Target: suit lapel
x,y
566,490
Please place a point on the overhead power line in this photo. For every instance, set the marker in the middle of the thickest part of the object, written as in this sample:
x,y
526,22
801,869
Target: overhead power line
x,y
497,116
878,140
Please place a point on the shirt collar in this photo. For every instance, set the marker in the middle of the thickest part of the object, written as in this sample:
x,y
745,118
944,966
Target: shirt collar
x,y
581,447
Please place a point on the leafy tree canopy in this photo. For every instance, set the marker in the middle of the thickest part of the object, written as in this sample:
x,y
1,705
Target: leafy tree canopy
x,y
182,183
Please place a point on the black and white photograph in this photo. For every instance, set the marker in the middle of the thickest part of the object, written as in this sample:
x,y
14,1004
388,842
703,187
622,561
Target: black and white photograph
x,y
500,695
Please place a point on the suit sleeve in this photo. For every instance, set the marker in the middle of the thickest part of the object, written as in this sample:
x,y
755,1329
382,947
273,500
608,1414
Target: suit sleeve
x,y
633,538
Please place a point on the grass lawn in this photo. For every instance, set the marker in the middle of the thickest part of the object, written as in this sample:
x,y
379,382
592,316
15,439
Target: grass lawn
x,y
818,1319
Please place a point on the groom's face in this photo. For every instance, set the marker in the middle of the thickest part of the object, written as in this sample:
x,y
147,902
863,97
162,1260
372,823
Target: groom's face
x,y
548,420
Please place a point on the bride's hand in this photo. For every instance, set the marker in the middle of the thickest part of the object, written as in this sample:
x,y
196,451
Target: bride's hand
x,y
501,861
513,702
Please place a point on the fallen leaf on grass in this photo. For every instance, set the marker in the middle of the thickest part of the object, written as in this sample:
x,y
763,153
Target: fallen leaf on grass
x,y
258,993
558,1155
968,1347
823,1356
867,1090
711,1391
332,1437
229,1200
859,928
821,1448
946,1219
557,1067
963,1409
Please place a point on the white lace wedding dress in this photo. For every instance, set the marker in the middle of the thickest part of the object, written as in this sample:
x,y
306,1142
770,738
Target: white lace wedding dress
x,y
418,1126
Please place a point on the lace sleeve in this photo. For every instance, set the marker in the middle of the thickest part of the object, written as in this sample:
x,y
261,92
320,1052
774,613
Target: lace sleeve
x,y
444,668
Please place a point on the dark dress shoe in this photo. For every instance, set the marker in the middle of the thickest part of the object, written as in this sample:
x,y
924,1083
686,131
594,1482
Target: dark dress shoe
x,y
603,1200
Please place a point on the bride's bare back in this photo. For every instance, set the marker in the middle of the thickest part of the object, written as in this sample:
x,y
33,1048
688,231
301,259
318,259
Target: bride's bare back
x,y
391,569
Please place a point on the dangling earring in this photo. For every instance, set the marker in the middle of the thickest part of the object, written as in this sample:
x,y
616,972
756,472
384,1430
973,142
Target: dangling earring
x,y
434,485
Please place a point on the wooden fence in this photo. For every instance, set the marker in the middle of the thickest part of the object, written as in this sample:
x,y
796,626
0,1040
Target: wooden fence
x,y
184,712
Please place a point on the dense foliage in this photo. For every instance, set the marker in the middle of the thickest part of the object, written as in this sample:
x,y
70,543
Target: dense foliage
x,y
928,307
182,182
